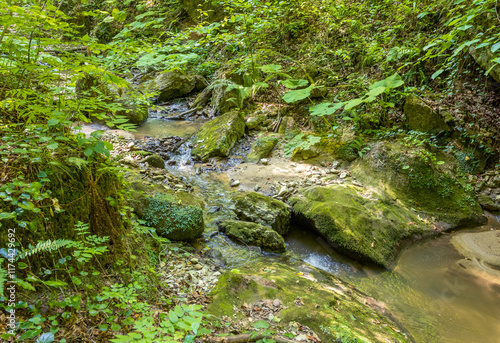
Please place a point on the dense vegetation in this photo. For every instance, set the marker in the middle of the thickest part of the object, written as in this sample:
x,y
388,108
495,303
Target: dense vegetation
x,y
84,266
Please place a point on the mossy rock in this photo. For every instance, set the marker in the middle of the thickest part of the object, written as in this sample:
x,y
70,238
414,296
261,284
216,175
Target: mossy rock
x,y
262,148
261,209
334,310
217,137
488,203
255,122
288,128
154,160
172,220
224,100
253,234
439,191
421,117
174,84
348,152
360,224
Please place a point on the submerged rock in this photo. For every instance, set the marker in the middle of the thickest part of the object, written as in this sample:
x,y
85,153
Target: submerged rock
x,y
174,84
217,137
361,224
262,148
296,292
261,209
421,117
253,234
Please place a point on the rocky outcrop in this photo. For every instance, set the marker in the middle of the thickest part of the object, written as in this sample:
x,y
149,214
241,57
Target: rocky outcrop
x,y
426,181
421,117
262,148
358,222
261,209
225,98
253,234
217,137
174,84
296,292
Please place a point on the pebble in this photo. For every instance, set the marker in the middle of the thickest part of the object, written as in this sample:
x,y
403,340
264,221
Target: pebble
x,y
264,161
235,183
256,188
343,175
194,260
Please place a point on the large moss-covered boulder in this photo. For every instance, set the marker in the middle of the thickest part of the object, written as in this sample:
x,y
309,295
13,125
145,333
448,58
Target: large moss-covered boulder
x,y
430,182
253,234
217,137
261,209
172,220
297,292
483,57
359,223
262,148
421,117
175,215
154,160
174,84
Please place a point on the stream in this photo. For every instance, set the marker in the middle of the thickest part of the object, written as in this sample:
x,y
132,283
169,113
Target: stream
x,y
429,291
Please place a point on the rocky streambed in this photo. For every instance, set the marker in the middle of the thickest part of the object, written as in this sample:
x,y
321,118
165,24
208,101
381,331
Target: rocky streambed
x,y
358,219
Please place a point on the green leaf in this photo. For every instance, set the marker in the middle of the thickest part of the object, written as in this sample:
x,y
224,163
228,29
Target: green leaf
x,y
53,146
178,311
298,94
300,141
324,109
52,122
88,152
55,283
440,162
25,285
294,83
46,338
271,68
495,47
376,91
436,74
261,324
173,317
353,103
392,81
29,334
115,327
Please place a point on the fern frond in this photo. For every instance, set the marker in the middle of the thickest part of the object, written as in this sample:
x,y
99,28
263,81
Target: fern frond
x,y
45,246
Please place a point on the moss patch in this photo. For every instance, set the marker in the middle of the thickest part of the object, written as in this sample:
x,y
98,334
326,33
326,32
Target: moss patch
x,y
262,148
217,137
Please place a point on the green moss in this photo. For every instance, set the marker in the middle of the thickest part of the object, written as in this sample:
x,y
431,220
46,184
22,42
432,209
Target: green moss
x,y
367,227
253,234
217,137
262,148
261,209
172,220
